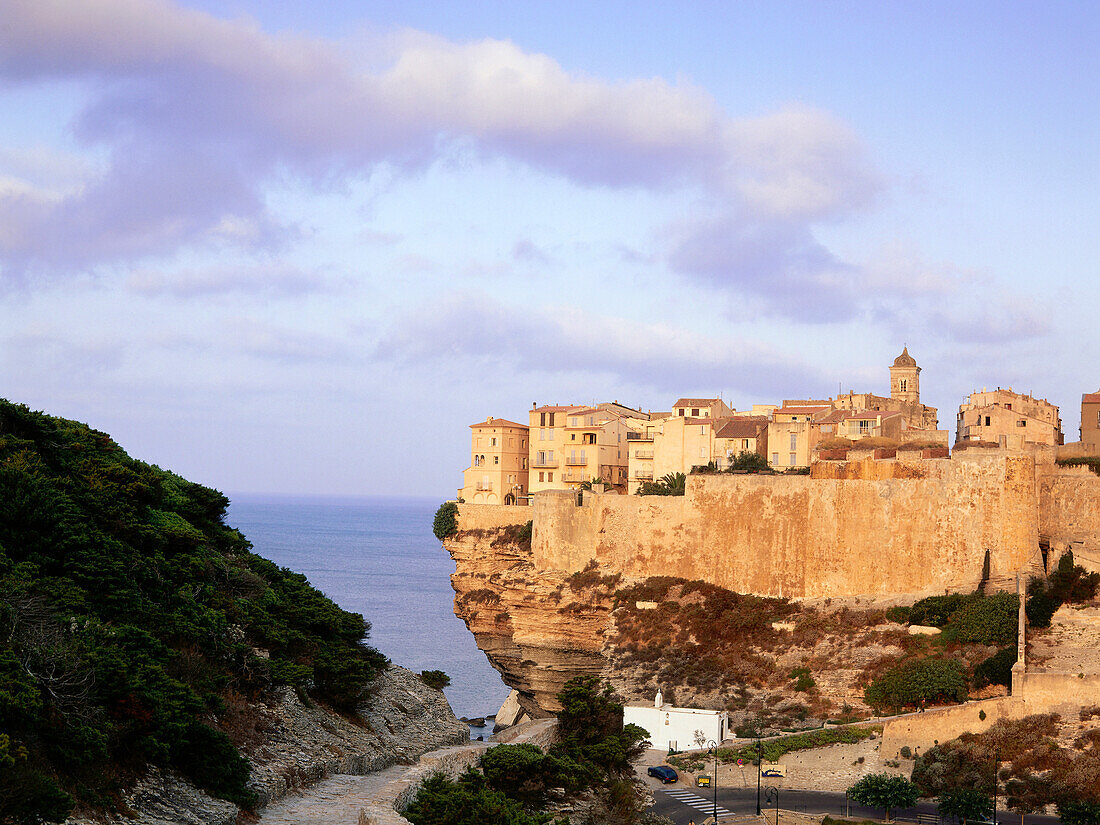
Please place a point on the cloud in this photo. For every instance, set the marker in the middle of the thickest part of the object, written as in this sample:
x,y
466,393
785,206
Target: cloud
x,y
567,340
526,251
197,114
275,280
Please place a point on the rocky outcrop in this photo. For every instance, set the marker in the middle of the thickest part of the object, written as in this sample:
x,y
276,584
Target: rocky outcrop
x,y
536,628
401,720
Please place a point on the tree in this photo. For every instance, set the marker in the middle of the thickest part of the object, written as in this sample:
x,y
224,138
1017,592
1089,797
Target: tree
x,y
1027,794
964,804
951,766
748,462
1079,813
672,484
883,790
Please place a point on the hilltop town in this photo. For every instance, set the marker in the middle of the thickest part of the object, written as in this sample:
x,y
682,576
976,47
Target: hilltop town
x,y
621,449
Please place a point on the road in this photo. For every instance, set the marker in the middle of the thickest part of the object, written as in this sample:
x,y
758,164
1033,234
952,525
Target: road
x,y
682,803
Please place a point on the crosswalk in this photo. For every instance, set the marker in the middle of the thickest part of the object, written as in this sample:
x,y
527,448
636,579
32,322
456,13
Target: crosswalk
x,y
705,806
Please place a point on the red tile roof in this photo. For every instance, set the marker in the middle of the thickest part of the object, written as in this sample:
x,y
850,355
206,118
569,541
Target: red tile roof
x,y
552,408
498,422
1091,398
695,402
800,410
742,427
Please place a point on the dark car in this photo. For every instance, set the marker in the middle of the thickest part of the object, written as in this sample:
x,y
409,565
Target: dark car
x,y
664,773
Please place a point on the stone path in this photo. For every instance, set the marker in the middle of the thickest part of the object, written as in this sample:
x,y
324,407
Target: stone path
x,y
344,799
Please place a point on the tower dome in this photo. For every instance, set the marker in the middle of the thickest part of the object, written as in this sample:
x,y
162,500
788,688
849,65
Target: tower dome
x,y
905,359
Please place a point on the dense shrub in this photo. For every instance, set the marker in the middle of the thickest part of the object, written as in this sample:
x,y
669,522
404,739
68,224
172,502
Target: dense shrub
x,y
436,679
997,669
467,801
929,680
990,620
1069,583
899,614
445,523
128,610
935,611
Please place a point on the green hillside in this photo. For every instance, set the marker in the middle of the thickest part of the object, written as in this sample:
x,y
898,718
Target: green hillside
x,y
135,625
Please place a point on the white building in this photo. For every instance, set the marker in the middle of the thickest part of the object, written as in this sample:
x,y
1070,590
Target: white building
x,y
672,728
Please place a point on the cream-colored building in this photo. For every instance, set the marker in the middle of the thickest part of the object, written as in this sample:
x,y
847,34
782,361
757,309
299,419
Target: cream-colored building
x,y
1009,419
573,444
863,424
1090,419
498,463
741,434
904,396
793,434
701,408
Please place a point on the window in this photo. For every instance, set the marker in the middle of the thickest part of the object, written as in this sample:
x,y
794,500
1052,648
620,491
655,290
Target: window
x,y
542,477
1098,418
551,423
550,476
744,443
702,452
695,412
496,459
903,384
794,458
1021,423
986,421
542,419
572,436
794,441
864,426
492,442
775,459
523,442
477,461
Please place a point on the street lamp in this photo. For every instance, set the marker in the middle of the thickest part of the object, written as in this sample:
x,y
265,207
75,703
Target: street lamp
x,y
759,768
714,744
772,795
996,765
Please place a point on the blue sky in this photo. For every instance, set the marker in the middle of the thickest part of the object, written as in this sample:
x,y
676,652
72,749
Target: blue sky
x,y
296,249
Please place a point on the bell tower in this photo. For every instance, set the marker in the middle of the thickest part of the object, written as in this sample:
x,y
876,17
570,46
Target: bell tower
x,y
905,378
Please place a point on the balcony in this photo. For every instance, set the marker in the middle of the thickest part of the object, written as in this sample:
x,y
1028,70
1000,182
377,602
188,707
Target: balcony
x,y
643,475
544,462
484,486
574,478
638,437
576,461
643,454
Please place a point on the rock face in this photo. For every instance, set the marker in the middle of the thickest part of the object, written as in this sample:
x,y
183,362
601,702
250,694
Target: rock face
x,y
534,628
402,719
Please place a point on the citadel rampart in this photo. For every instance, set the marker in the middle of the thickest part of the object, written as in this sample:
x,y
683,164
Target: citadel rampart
x,y
874,528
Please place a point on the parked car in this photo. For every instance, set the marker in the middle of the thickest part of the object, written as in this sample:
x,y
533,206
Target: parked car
x,y
664,773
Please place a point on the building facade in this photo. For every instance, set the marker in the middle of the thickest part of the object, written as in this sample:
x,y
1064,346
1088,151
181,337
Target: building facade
x,y
498,472
1008,419
573,444
1090,419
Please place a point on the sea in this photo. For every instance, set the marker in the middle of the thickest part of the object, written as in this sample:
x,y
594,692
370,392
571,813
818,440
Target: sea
x,y
379,557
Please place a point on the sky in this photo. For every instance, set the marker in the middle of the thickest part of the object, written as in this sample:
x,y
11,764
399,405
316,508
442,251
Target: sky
x,y
281,247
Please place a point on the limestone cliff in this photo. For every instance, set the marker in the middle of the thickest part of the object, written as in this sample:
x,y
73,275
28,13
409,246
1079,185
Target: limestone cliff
x,y
531,625
854,536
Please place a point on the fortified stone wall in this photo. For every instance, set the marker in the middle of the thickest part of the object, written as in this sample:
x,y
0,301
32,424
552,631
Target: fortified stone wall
x,y
1069,513
875,528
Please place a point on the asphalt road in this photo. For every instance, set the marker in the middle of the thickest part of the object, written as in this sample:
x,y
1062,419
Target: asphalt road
x,y
682,803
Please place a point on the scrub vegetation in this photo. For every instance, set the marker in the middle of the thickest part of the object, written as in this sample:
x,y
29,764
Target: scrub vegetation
x,y
134,623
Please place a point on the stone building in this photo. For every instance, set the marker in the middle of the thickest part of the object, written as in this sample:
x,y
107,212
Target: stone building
x,y
904,396
1090,419
574,444
1008,419
498,463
